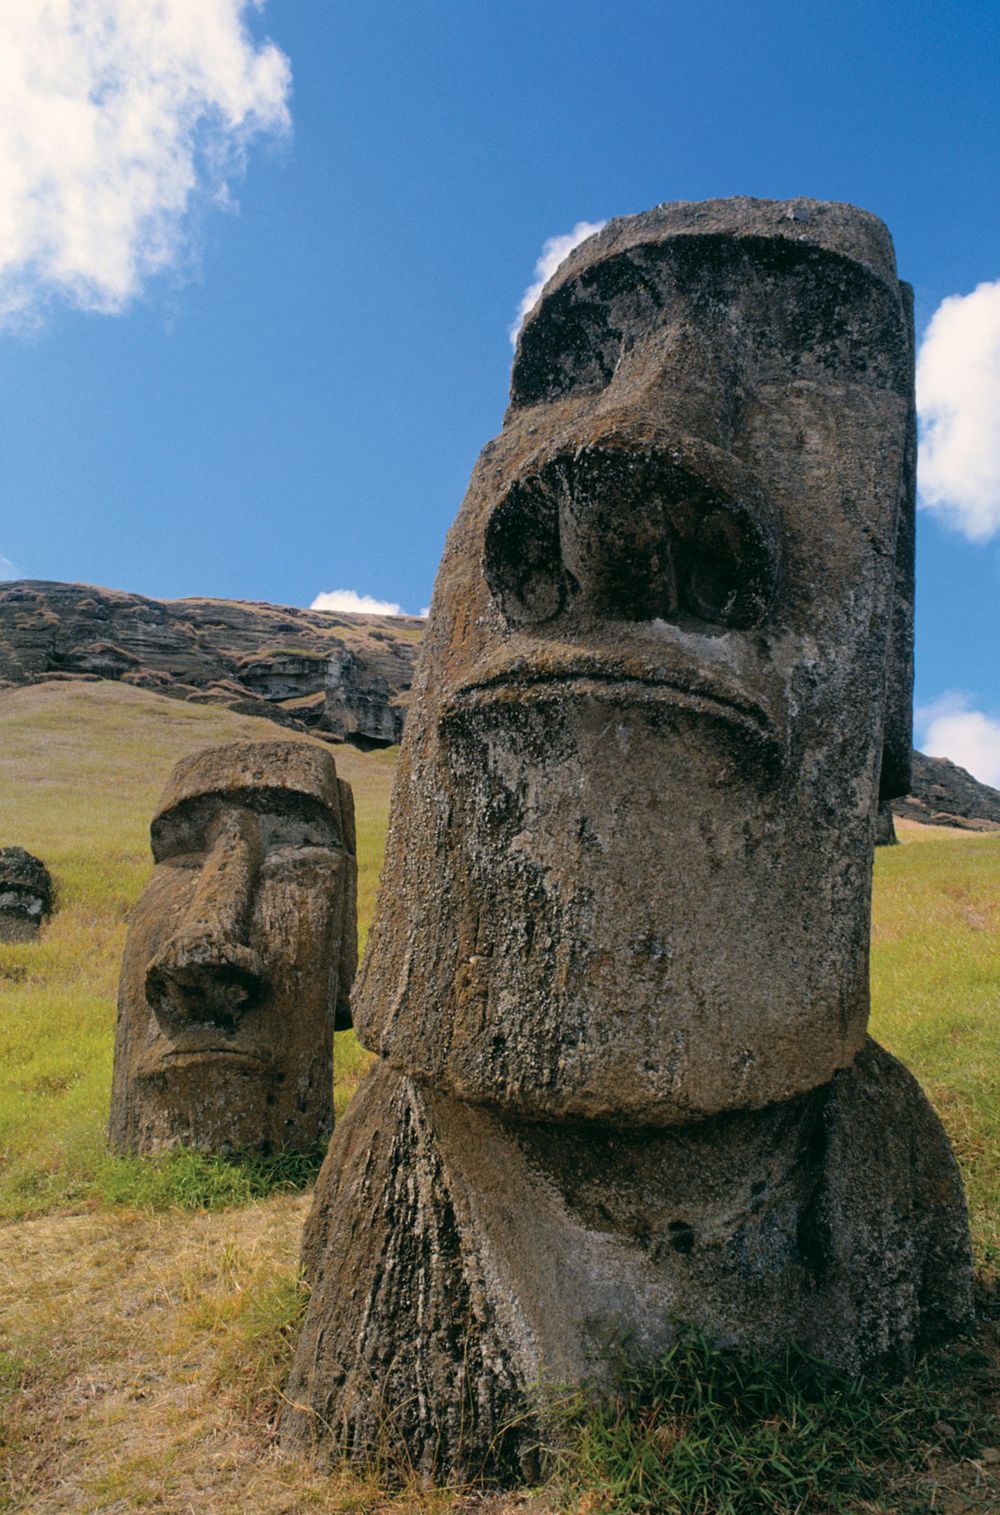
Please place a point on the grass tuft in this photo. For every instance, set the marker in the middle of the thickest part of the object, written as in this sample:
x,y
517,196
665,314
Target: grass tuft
x,y
712,1433
253,1362
186,1180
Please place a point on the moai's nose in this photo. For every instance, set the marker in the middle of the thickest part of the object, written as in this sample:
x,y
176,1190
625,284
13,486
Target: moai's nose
x,y
680,533
206,973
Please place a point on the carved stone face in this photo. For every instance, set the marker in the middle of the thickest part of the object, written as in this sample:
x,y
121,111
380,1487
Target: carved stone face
x,y
239,956
631,841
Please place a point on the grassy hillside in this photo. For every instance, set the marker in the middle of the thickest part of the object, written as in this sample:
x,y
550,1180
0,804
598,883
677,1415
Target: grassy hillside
x,y
936,994
142,1350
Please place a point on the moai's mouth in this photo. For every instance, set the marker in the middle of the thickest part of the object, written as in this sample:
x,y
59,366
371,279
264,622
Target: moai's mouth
x,y
229,1055
590,680
195,1054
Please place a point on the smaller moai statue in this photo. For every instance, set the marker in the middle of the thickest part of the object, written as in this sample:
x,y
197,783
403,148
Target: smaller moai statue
x,y
240,956
25,894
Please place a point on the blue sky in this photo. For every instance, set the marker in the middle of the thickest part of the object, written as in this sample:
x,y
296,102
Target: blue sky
x,y
285,396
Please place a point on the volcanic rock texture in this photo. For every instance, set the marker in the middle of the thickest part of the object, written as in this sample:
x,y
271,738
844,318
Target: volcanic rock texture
x,y
25,894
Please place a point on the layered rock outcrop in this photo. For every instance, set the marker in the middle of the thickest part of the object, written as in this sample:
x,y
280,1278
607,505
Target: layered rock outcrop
x,y
348,675
943,794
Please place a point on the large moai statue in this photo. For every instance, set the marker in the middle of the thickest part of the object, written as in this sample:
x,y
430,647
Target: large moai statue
x,y
240,956
618,979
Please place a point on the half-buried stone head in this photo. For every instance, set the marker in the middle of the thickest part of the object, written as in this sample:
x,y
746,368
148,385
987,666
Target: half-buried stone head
x,y
666,677
25,894
240,955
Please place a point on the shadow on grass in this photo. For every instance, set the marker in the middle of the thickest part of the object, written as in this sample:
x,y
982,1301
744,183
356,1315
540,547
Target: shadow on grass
x,y
189,1180
710,1433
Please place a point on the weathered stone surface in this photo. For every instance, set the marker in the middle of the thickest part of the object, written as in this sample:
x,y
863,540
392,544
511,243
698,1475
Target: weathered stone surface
x,y
257,659
943,794
25,894
632,828
459,1259
618,976
240,955
358,703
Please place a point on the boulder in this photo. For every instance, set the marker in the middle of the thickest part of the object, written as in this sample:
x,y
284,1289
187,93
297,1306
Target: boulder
x,y
25,894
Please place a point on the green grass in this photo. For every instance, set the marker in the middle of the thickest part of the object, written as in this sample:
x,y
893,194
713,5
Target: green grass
x,y
262,1333
185,1180
81,770
711,1433
936,998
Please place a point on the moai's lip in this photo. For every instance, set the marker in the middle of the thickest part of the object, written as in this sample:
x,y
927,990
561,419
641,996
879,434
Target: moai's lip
x,y
198,1056
522,684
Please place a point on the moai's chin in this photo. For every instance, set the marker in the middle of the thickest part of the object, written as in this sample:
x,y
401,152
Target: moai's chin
x,y
546,1256
623,922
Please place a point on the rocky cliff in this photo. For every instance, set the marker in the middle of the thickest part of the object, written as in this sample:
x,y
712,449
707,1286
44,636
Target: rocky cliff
x,y
348,675
945,795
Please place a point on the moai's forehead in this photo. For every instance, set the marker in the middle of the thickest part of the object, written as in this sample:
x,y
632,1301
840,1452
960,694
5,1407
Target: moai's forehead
x,y
840,308
288,777
825,224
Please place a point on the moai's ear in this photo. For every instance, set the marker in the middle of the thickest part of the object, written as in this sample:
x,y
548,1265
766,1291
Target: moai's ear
x,y
897,739
347,817
347,967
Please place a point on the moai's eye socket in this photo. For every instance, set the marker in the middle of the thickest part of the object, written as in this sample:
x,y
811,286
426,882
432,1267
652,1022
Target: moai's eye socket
x,y
523,560
722,579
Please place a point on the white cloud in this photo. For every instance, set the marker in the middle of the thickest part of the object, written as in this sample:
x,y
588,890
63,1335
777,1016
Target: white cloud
x,y
554,251
958,401
119,119
8,569
349,601
950,728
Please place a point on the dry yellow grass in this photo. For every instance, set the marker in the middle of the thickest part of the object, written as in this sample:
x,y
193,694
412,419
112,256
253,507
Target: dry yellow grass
x,y
142,1360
